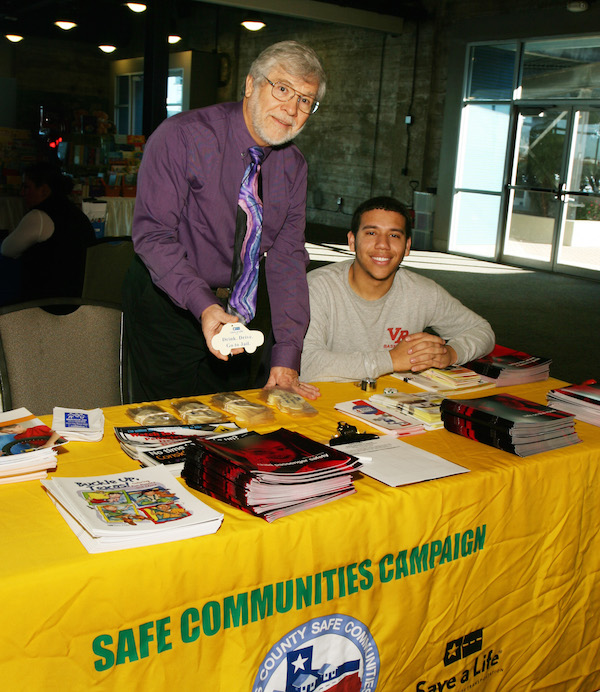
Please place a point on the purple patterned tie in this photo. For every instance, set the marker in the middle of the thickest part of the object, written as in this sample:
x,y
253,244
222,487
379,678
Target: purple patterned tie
x,y
242,301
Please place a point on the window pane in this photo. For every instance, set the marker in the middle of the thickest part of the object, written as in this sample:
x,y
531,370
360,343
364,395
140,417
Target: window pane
x,y
531,222
568,68
541,138
492,71
174,92
482,151
122,90
584,164
580,241
137,84
122,120
475,224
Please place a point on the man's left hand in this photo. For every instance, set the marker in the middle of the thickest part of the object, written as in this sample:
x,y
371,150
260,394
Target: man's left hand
x,y
286,378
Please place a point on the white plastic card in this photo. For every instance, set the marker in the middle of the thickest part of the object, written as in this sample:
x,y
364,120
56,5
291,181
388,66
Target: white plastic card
x,y
236,335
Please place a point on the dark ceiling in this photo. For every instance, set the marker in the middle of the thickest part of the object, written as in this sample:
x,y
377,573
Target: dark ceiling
x,y
108,18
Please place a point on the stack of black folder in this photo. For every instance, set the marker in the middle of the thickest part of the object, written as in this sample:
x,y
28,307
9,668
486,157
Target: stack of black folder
x,y
509,423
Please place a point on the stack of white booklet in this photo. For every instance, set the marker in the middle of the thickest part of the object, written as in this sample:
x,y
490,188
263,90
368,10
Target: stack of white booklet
x,y
79,424
448,381
130,509
27,447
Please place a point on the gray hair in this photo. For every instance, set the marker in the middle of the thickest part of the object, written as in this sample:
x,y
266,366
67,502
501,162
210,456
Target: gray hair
x,y
296,58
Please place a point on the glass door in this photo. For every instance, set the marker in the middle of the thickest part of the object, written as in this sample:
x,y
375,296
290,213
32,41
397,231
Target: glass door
x,y
579,237
534,205
553,215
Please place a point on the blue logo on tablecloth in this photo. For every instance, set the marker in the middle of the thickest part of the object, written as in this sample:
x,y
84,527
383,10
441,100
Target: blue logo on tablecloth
x,y
336,653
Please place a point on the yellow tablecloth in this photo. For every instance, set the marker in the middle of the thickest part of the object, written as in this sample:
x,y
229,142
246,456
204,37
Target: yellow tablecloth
x,y
488,580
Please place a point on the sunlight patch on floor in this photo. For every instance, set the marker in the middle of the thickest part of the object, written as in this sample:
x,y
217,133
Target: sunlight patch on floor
x,y
418,259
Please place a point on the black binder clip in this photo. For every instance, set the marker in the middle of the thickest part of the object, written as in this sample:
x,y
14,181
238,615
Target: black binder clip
x,y
348,433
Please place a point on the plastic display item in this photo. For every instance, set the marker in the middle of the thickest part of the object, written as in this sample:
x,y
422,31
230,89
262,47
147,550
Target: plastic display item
x,y
194,411
288,402
152,415
244,411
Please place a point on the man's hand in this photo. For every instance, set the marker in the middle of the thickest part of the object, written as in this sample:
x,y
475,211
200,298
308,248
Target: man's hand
x,y
421,351
286,378
213,318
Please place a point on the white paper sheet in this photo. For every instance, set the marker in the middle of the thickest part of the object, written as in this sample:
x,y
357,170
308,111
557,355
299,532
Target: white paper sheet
x,y
395,462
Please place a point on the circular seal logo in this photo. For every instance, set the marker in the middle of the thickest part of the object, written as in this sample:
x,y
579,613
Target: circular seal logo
x,y
336,653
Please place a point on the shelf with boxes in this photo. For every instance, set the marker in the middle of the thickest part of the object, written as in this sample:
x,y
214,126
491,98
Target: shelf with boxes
x,y
104,165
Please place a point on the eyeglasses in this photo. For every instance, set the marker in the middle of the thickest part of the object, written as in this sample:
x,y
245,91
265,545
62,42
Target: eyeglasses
x,y
283,92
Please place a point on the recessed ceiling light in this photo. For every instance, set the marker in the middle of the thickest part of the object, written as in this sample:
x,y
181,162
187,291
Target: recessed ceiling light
x,y
577,5
136,6
253,24
174,38
14,38
105,48
65,24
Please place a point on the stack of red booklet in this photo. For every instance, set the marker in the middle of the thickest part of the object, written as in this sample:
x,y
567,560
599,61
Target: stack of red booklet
x,y
270,475
582,400
505,366
510,423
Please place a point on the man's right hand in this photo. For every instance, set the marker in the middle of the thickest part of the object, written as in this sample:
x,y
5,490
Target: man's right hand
x,y
421,351
212,319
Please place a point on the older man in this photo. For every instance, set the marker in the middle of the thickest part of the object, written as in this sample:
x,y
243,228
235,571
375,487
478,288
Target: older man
x,y
184,230
368,315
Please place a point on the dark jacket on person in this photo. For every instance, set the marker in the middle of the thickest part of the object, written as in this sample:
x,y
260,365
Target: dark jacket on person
x,y
55,267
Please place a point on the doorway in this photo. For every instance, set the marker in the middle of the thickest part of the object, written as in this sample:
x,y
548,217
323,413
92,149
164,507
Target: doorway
x,y
527,176
553,210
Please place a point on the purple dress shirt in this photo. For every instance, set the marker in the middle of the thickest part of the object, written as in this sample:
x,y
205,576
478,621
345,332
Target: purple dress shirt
x,y
185,217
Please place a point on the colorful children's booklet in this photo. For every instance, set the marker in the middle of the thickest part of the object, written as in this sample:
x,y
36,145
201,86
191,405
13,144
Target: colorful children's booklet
x,y
130,509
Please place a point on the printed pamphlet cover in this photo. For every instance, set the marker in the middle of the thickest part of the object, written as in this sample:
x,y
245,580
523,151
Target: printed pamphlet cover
x,y
393,423
503,358
422,380
453,376
582,400
281,452
133,503
503,439
21,431
423,405
505,410
162,435
586,392
270,475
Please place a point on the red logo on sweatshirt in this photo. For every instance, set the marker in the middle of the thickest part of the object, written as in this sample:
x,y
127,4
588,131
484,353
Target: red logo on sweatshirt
x,y
397,334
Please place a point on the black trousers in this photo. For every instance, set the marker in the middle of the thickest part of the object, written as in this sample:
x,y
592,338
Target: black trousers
x,y
167,355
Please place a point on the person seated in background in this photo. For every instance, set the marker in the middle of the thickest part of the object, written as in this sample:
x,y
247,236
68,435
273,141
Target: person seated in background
x,y
50,241
368,315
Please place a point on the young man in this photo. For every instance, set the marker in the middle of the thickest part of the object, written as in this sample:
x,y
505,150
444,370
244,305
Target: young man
x,y
367,315
176,298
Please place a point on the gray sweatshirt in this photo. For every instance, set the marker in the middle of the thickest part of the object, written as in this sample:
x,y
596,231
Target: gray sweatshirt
x,y
349,338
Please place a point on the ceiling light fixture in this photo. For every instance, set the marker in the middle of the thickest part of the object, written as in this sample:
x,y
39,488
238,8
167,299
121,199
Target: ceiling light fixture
x,y
106,48
577,5
136,6
65,24
174,38
253,23
14,38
